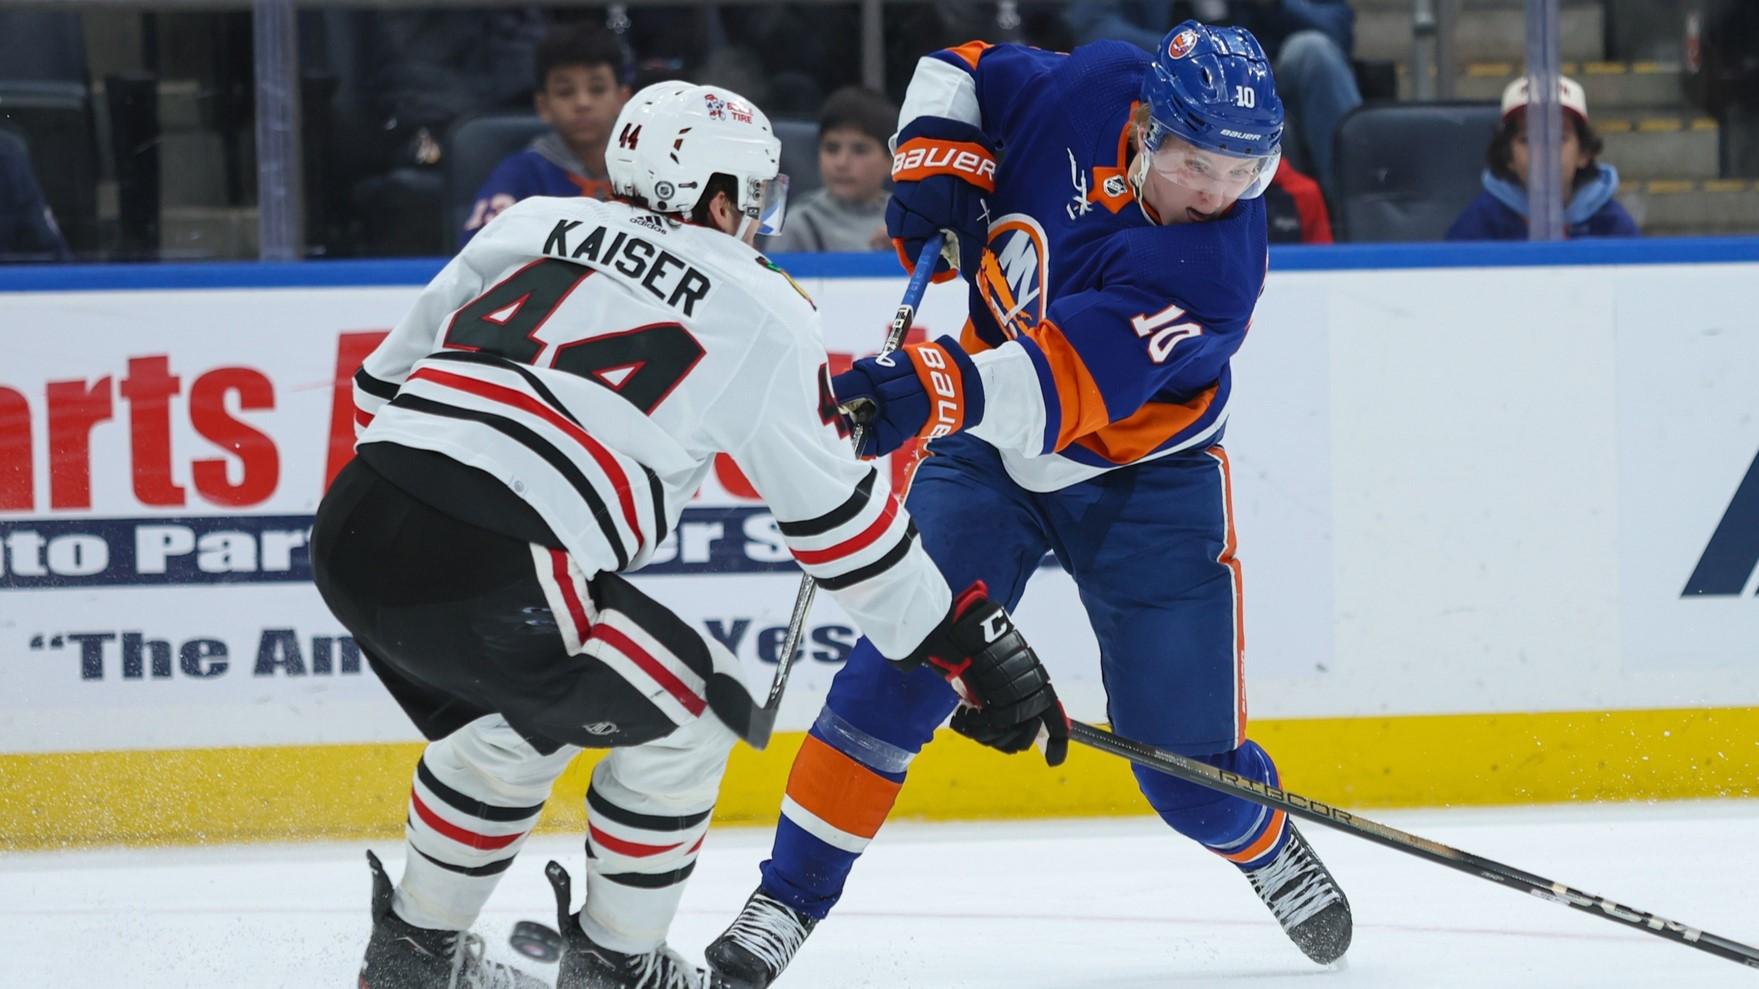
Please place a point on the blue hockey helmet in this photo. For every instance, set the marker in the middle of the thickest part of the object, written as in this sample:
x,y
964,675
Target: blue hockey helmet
x,y
1212,88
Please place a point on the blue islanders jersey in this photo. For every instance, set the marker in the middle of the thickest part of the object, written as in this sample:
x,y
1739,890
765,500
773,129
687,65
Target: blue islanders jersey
x,y
1103,338
546,168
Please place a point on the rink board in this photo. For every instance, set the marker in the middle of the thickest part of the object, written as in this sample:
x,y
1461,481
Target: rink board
x,y
1464,495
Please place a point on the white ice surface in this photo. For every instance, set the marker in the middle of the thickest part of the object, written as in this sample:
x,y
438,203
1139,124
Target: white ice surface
x,y
1118,904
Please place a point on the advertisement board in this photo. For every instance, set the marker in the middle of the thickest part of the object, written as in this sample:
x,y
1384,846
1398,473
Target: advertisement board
x,y
1460,491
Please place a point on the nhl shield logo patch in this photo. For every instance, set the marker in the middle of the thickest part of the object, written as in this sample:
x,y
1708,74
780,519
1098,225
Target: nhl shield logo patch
x,y
1182,43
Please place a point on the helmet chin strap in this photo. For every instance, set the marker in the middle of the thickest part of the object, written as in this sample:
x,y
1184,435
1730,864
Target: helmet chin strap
x,y
1139,179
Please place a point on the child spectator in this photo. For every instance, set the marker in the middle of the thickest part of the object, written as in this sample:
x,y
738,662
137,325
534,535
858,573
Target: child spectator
x,y
582,84
27,228
1500,211
849,213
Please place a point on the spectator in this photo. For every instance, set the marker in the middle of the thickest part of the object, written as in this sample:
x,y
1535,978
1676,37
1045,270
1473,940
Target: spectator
x,y
27,227
849,213
1295,209
1500,211
582,84
1309,42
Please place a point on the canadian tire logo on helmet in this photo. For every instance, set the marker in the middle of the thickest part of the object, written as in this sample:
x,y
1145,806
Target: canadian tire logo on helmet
x,y
1182,43
717,107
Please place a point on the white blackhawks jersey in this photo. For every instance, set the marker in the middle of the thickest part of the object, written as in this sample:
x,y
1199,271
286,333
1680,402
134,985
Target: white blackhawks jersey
x,y
595,357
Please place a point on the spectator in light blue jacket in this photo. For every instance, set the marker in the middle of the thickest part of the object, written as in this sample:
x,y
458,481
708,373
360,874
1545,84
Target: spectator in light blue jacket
x,y
1500,211
1309,42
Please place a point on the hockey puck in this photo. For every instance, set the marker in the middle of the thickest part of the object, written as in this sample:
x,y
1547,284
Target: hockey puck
x,y
536,941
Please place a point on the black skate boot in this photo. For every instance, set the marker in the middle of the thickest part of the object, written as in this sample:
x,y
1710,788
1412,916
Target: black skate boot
x,y
586,965
761,942
403,956
1306,900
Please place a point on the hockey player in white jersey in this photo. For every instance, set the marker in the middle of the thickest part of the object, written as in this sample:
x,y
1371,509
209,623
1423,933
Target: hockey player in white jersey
x,y
532,430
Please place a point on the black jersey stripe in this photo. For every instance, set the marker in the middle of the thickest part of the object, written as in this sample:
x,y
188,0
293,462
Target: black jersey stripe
x,y
650,880
841,515
495,360
526,437
471,806
658,494
373,386
549,398
891,559
492,869
645,822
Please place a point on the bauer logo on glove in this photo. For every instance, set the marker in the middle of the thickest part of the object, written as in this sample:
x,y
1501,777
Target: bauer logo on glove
x,y
934,390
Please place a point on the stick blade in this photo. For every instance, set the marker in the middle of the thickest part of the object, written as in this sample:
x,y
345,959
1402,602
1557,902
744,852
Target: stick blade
x,y
732,703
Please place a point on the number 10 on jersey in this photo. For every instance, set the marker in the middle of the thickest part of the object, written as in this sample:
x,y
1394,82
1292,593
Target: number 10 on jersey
x,y
1164,330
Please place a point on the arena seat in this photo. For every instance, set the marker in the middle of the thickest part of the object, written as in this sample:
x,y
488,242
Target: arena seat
x,y
1404,171
799,154
474,147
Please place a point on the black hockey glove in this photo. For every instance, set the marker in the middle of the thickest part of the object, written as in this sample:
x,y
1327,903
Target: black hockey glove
x,y
1008,695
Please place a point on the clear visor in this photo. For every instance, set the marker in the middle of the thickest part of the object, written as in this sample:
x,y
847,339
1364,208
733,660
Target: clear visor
x,y
1211,175
772,206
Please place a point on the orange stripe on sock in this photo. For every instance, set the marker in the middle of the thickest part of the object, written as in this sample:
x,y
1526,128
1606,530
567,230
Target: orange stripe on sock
x,y
1264,842
840,791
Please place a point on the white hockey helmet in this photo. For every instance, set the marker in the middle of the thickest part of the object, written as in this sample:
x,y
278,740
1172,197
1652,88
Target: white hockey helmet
x,y
625,133
668,142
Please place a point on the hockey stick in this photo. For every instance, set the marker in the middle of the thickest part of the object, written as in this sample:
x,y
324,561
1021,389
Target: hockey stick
x,y
727,695
1203,774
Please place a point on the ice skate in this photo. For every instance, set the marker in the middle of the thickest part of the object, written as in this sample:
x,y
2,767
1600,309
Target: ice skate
x,y
403,956
761,942
586,965
1306,900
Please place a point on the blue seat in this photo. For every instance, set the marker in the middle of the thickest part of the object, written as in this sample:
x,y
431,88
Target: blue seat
x,y
473,148
1404,171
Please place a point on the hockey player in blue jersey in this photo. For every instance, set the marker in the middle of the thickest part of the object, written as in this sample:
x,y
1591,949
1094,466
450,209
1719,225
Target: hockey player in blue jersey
x,y
1106,207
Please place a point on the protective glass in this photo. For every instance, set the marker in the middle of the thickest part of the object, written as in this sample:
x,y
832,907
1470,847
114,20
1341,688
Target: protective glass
x,y
1203,170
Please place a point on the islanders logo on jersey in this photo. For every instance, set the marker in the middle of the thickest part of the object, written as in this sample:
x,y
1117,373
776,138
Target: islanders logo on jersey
x,y
1182,43
1015,273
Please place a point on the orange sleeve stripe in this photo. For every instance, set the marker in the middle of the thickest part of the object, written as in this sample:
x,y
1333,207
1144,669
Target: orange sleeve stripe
x,y
1082,406
840,791
970,52
1138,435
1265,841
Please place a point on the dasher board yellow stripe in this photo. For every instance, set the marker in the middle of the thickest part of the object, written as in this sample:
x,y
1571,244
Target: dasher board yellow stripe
x,y
360,791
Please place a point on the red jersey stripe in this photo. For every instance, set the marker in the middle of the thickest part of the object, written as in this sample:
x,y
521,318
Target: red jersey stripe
x,y
853,544
565,581
612,843
526,403
486,842
651,666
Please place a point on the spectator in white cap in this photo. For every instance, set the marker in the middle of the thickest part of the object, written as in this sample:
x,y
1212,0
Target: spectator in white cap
x,y
1500,211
